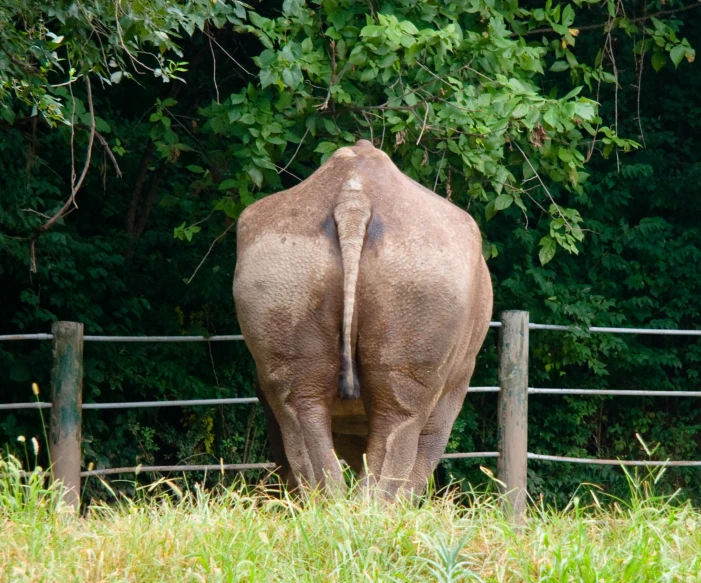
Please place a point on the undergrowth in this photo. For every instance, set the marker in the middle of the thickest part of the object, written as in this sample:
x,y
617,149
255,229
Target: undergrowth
x,y
173,531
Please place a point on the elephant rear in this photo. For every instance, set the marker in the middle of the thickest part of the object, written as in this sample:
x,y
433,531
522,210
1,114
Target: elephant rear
x,y
359,273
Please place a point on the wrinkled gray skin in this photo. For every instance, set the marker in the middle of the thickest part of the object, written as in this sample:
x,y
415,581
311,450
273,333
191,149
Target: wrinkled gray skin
x,y
359,282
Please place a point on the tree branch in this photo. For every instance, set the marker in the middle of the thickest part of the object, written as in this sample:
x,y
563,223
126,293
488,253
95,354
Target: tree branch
x,y
138,187
605,24
545,188
210,250
150,198
75,186
107,148
140,225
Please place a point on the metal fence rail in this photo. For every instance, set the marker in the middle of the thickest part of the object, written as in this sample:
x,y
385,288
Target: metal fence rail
x,y
512,455
246,400
231,337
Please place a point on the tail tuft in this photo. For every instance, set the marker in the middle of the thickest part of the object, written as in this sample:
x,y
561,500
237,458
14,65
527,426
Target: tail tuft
x,y
349,387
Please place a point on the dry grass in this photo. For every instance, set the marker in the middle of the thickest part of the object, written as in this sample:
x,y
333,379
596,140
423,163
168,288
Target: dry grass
x,y
236,535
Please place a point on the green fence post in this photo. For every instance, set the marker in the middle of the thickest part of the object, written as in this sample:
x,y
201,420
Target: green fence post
x,y
66,410
513,411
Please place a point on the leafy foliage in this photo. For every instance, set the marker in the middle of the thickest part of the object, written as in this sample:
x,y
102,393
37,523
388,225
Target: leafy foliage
x,y
521,114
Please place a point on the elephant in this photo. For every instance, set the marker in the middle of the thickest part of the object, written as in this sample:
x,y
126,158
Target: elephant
x,y
364,299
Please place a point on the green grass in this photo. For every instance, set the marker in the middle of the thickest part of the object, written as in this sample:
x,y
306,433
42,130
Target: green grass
x,y
238,534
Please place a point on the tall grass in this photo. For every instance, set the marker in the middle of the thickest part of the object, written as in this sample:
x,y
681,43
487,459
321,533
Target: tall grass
x,y
171,532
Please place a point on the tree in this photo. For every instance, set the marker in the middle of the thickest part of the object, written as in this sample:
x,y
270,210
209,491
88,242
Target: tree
x,y
204,107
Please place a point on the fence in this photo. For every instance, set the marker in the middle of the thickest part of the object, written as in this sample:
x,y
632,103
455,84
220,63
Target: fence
x,y
512,456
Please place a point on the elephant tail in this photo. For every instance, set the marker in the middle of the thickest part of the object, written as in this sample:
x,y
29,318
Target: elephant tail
x,y
352,215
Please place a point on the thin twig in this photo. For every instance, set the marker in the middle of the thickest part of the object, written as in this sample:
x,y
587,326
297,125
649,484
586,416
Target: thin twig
x,y
75,187
332,80
70,88
386,105
605,24
214,73
209,251
335,81
615,101
384,127
35,212
372,134
281,169
107,148
174,117
423,128
545,188
438,172
295,154
239,65
440,78
203,220
383,107
67,83
640,82
134,60
211,358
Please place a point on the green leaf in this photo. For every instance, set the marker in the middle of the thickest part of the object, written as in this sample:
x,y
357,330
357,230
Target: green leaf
x,y
585,110
559,66
256,176
677,54
568,15
503,201
292,7
196,169
331,127
358,56
326,147
267,77
547,249
576,91
293,77
658,60
228,183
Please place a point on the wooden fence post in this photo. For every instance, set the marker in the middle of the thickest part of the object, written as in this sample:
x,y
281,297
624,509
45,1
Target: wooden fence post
x,y
66,410
513,411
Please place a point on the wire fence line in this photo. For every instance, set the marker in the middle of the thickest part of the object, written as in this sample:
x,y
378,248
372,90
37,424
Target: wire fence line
x,y
246,400
235,337
183,468
602,462
503,456
269,466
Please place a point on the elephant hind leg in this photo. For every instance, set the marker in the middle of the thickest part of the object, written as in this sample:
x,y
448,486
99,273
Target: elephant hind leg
x,y
301,404
398,408
277,448
391,453
434,438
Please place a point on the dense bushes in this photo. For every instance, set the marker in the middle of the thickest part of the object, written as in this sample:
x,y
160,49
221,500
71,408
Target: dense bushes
x,y
474,111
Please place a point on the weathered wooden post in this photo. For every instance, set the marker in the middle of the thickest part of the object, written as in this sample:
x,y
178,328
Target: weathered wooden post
x,y
513,411
66,410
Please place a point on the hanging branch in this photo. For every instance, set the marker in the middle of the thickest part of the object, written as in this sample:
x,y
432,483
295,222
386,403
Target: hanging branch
x,y
75,186
641,65
545,188
605,24
210,250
